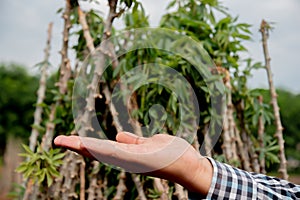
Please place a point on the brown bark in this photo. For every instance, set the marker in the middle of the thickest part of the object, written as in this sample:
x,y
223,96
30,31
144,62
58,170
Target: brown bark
x,y
65,74
86,32
243,132
180,192
264,29
253,157
82,180
196,144
234,148
248,147
159,186
261,131
207,141
31,187
229,143
94,191
99,68
121,187
100,64
71,176
64,187
41,93
139,187
65,66
231,123
243,154
50,126
11,161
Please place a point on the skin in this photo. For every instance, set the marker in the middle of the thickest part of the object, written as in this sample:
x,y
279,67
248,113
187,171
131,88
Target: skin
x,y
183,164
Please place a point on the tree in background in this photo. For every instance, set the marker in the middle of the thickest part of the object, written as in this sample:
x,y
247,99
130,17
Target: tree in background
x,y
17,98
16,102
290,105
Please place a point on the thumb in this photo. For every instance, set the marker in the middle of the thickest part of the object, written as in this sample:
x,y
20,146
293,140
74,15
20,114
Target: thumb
x,y
129,138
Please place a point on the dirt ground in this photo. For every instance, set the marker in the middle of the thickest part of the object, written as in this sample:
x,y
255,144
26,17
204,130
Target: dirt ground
x,y
295,179
7,172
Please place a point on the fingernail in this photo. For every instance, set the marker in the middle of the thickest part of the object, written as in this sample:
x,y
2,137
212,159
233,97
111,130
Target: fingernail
x,y
57,140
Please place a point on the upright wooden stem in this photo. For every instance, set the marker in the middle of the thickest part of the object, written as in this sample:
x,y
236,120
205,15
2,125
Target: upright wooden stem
x,y
260,132
82,180
41,93
100,64
121,187
248,146
229,143
180,192
264,29
139,186
30,186
65,73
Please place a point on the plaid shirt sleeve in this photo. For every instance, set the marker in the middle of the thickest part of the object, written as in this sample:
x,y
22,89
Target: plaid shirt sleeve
x,y
232,183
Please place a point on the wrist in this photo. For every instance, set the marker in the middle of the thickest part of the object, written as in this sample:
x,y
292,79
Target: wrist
x,y
197,174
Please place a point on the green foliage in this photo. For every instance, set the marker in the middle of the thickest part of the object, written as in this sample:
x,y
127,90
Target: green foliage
x,y
16,192
222,38
153,194
41,166
136,17
290,112
269,152
17,98
221,35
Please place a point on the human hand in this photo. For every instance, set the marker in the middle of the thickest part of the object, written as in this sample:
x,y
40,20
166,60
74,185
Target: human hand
x,y
161,155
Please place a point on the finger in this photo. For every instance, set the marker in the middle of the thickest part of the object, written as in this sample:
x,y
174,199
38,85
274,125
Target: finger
x,y
129,138
110,152
73,143
67,141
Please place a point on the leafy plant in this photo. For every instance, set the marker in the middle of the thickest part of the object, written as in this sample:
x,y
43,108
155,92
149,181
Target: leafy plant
x,y
42,165
269,152
17,191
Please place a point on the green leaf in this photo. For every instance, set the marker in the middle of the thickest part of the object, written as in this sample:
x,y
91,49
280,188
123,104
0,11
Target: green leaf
x,y
41,176
60,10
128,3
22,168
53,171
49,179
273,148
28,172
272,157
171,4
58,156
27,149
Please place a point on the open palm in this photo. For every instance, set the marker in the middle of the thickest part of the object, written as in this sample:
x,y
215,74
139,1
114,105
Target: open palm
x,y
161,155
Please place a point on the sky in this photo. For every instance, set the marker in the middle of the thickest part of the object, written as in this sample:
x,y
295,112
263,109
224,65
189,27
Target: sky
x,y
24,24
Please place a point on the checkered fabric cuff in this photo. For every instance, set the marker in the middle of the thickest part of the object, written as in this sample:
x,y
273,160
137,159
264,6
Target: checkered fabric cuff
x,y
231,183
